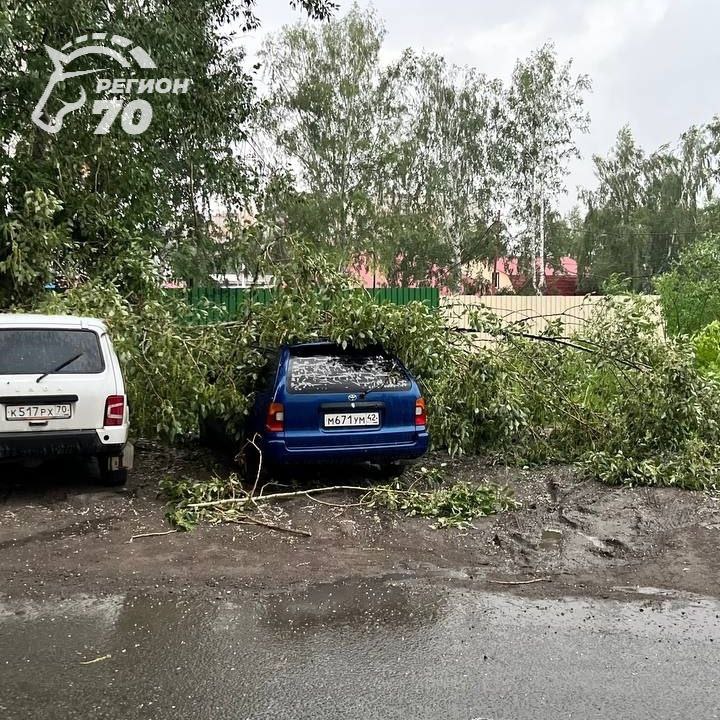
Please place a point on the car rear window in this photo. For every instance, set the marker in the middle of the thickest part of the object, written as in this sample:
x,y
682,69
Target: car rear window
x,y
345,373
41,350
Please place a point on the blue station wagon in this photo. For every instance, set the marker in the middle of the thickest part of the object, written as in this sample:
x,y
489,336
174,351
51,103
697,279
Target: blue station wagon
x,y
319,403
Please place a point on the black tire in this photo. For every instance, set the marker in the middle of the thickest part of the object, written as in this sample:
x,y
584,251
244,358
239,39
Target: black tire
x,y
111,478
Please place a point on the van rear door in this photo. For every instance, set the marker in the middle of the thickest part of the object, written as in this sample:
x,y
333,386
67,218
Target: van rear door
x,y
334,398
53,378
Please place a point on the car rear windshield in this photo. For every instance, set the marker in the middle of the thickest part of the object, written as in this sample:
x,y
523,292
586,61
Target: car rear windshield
x,y
37,351
327,372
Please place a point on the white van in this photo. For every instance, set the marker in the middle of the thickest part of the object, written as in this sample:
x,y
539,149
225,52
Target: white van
x,y
62,393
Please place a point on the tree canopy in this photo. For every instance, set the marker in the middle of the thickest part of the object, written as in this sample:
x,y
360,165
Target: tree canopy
x,y
76,205
646,209
425,166
414,166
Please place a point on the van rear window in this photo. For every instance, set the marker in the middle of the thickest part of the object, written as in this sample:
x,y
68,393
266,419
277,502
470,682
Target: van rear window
x,y
345,373
41,350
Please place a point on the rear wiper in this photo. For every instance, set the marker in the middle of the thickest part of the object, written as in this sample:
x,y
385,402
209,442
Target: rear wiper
x,y
384,384
60,367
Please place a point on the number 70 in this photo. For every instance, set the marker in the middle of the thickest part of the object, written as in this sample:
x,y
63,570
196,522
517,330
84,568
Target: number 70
x,y
128,121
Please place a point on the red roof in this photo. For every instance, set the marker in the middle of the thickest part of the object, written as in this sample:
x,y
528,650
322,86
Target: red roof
x,y
561,280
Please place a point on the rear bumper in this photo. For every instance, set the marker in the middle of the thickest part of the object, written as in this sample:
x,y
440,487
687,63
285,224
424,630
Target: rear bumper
x,y
55,443
276,451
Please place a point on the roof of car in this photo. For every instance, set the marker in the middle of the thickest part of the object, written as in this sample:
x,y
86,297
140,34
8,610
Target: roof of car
x,y
325,345
313,343
60,321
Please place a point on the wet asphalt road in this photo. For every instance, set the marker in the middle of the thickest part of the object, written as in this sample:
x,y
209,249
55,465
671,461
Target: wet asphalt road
x,y
366,649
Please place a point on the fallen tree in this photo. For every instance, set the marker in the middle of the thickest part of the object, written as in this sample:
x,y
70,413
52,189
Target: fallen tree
x,y
227,500
620,401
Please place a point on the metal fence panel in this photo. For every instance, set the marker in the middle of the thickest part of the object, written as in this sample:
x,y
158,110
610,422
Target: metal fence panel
x,y
573,312
230,300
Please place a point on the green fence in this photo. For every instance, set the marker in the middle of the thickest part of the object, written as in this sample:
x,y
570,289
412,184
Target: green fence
x,y
232,299
403,296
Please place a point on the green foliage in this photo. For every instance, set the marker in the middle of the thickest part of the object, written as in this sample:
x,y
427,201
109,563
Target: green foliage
x,y
182,492
178,366
690,291
117,207
707,350
647,209
445,175
328,112
29,244
617,284
662,428
545,113
412,163
175,366
694,467
475,402
408,164
454,506
624,403
620,400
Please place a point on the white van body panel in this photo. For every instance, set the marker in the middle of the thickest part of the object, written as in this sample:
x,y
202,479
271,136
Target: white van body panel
x,y
86,393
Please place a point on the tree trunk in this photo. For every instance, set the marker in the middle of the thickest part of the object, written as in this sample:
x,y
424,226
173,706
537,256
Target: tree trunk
x,y
636,279
541,248
535,241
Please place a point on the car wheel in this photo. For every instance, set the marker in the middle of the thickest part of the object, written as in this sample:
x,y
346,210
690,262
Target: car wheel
x,y
110,477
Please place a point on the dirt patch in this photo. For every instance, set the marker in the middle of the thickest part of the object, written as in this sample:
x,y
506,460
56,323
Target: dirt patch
x,y
60,533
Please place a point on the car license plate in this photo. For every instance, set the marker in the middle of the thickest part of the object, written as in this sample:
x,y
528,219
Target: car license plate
x,y
352,420
61,411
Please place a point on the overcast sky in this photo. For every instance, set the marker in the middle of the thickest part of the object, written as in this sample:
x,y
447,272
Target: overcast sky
x,y
653,63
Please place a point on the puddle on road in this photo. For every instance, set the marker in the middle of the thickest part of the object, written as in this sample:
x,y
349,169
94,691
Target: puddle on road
x,y
355,649
390,604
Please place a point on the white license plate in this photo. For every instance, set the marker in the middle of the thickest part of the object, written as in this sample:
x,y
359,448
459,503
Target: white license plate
x,y
61,411
352,420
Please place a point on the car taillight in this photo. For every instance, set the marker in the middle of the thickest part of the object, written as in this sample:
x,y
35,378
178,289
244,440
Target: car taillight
x,y
420,412
275,421
114,410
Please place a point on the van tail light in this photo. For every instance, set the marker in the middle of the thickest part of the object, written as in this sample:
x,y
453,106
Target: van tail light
x,y
275,421
114,411
420,412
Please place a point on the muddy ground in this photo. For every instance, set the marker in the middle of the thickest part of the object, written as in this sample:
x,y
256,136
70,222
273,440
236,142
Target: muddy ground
x,y
62,534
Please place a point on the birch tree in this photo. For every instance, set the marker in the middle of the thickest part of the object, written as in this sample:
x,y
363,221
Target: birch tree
x,y
328,114
646,209
544,114
447,162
